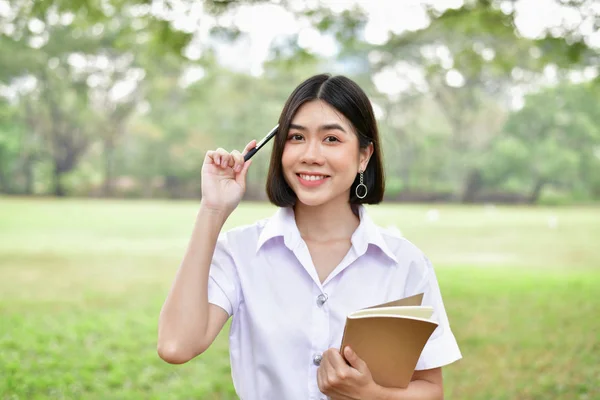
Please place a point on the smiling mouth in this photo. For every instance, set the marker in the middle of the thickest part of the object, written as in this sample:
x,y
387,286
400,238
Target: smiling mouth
x,y
312,178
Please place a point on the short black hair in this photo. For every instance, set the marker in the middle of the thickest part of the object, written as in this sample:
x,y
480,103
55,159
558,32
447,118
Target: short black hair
x,y
348,98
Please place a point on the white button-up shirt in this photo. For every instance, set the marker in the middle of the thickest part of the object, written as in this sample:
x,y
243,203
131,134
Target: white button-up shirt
x,y
284,318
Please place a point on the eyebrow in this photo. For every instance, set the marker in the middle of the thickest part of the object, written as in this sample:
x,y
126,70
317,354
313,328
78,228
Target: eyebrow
x,y
326,127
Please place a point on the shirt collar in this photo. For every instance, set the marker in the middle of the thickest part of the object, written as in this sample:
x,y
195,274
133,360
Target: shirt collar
x,y
369,233
283,224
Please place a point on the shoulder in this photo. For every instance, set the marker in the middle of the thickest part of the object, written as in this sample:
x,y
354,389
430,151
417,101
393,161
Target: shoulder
x,y
417,269
244,233
402,247
243,238
407,253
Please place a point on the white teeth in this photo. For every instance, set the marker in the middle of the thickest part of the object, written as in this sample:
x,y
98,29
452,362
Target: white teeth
x,y
311,177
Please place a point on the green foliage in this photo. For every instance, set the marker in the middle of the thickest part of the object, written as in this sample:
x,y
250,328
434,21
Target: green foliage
x,y
11,136
161,32
439,139
553,139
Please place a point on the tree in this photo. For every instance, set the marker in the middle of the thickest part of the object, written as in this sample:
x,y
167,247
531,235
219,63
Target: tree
x,y
553,140
15,154
131,113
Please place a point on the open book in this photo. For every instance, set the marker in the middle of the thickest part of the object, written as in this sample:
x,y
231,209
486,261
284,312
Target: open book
x,y
390,337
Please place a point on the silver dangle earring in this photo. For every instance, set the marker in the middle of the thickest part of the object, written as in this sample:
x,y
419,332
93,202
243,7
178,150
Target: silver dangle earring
x,y
363,186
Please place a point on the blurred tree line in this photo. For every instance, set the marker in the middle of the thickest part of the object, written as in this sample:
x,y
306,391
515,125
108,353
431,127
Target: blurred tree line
x,y
98,98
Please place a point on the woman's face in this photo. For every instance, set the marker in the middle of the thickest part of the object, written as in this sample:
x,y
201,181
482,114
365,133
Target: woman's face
x,y
321,155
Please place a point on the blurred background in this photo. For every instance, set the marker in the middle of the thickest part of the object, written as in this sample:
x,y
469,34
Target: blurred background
x,y
489,116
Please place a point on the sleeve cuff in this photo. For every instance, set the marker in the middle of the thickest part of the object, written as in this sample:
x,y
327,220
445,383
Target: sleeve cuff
x,y
439,352
217,296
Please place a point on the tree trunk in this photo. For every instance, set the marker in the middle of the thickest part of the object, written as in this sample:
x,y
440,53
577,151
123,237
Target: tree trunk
x,y
472,186
28,171
536,191
108,168
173,186
3,181
59,190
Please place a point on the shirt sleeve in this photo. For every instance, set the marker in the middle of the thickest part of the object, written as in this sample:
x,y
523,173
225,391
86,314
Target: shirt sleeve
x,y
223,280
441,348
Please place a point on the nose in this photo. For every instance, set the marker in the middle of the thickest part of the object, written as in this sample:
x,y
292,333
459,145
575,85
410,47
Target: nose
x,y
313,153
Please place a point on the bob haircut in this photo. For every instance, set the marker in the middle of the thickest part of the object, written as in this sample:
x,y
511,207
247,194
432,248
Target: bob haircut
x,y
349,99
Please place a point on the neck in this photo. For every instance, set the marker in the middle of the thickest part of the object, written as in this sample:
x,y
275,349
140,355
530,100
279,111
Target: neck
x,y
326,222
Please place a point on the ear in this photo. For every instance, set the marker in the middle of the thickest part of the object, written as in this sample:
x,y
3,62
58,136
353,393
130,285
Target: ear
x,y
365,156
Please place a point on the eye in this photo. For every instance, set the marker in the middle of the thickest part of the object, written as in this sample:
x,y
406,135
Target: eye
x,y
295,136
331,139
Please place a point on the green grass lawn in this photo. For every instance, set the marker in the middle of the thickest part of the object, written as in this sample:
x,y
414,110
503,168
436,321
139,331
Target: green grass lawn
x,y
82,283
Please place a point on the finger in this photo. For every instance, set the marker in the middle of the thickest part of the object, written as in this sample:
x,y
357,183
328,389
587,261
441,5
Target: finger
x,y
230,161
249,146
321,380
225,160
333,374
354,360
241,176
224,157
336,359
238,160
211,157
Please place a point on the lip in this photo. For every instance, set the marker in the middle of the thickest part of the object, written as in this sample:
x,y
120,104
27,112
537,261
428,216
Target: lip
x,y
311,183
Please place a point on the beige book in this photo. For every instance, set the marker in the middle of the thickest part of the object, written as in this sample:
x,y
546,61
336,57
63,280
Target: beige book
x,y
390,337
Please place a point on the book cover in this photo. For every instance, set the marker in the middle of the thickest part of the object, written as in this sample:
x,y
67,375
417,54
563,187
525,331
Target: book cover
x,y
390,337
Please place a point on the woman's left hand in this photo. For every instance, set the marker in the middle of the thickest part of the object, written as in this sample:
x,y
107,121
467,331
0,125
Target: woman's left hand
x,y
341,381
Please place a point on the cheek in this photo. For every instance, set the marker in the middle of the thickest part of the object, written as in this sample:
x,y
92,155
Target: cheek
x,y
344,161
287,165
287,159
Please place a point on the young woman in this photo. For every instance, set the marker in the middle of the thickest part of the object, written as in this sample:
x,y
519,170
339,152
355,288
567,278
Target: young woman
x,y
290,280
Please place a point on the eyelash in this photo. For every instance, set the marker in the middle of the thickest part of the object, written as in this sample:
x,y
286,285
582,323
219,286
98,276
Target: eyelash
x,y
294,136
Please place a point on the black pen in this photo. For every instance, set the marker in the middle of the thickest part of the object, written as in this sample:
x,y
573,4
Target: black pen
x,y
260,144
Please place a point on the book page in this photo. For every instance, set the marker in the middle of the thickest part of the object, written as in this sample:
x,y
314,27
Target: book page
x,y
424,312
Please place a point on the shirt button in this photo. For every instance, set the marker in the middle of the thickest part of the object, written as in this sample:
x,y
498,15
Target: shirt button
x,y
321,299
317,359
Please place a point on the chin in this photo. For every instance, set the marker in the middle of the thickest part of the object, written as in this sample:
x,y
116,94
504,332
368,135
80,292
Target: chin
x,y
318,199
312,201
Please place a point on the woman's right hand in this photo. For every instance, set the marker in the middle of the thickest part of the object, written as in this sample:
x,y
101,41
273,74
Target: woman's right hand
x,y
224,179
